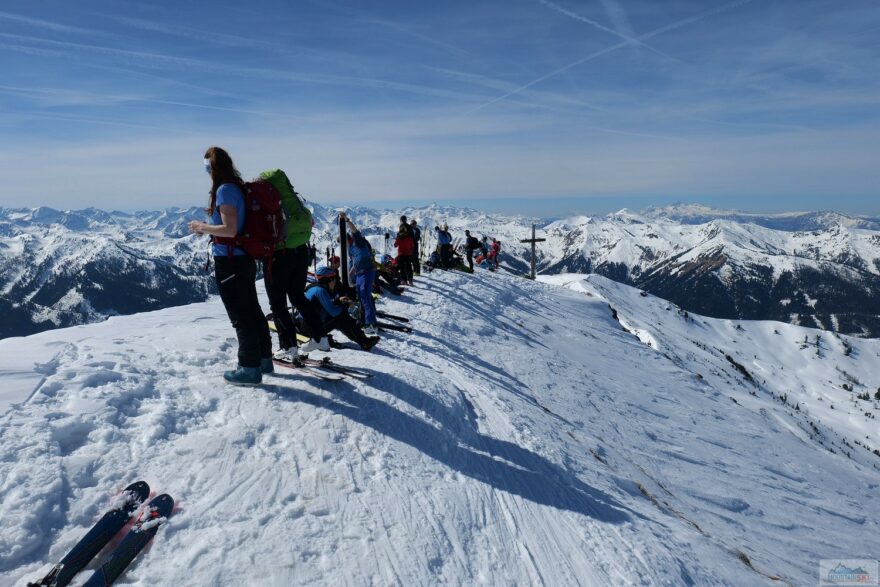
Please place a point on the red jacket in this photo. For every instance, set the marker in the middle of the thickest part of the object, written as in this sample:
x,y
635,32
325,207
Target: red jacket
x,y
405,244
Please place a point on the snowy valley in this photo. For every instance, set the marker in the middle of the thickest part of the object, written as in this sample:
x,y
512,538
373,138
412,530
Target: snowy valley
x,y
570,431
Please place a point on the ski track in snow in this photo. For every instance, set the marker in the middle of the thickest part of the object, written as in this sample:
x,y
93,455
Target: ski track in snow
x,y
520,436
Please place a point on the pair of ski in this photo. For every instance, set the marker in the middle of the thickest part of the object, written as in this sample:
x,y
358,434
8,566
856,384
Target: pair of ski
x,y
391,325
104,530
324,369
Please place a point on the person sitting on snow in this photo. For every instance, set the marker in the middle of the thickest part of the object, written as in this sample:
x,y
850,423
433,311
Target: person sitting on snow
x,y
333,310
433,261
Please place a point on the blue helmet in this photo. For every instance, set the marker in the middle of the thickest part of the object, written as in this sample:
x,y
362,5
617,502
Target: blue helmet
x,y
324,273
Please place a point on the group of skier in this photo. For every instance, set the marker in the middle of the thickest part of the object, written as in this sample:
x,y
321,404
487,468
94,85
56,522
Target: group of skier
x,y
446,255
320,302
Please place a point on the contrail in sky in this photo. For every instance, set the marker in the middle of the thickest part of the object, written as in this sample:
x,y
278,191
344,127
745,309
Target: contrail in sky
x,y
629,38
665,29
618,17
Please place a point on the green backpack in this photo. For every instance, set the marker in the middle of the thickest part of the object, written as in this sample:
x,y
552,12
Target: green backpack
x,y
299,218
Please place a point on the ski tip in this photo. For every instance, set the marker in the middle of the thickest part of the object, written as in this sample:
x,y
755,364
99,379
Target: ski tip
x,y
139,487
163,504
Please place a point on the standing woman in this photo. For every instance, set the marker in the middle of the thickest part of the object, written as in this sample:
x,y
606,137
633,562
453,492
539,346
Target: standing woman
x,y
234,270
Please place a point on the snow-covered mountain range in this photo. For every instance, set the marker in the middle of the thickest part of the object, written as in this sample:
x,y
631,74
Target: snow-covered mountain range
x,y
569,431
815,269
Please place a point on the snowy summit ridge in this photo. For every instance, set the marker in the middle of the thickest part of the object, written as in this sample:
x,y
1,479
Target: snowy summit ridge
x,y
525,433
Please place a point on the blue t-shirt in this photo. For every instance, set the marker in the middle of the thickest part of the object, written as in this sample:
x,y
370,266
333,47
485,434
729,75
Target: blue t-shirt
x,y
228,194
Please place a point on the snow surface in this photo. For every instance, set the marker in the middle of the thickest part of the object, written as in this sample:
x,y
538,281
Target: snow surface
x,y
520,436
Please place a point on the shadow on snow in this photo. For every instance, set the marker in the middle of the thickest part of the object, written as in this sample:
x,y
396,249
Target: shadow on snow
x,y
458,444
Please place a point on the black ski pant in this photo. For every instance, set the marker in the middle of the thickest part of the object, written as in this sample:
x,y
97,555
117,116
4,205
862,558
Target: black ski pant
x,y
289,270
446,256
343,323
236,280
347,325
405,264
470,258
417,263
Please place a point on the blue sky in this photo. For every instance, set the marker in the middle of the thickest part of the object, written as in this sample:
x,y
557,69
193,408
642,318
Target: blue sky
x,y
537,106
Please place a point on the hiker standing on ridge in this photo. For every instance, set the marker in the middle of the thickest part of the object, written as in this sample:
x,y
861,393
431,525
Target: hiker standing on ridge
x,y
495,252
405,246
444,241
234,270
471,244
290,267
417,239
360,262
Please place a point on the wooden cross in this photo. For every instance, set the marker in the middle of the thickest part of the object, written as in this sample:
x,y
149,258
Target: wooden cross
x,y
533,240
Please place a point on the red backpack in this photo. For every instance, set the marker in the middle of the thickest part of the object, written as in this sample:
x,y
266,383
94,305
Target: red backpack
x,y
264,224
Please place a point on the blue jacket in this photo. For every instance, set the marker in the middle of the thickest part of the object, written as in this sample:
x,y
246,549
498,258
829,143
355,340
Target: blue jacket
x,y
360,254
444,238
329,308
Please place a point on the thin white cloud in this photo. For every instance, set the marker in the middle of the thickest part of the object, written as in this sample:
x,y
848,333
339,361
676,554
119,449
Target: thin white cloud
x,y
44,24
34,51
420,36
224,39
148,59
141,56
61,97
545,98
93,120
656,32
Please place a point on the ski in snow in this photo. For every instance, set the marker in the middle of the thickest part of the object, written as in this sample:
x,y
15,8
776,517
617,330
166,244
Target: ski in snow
x,y
381,314
395,327
327,364
98,537
307,368
154,515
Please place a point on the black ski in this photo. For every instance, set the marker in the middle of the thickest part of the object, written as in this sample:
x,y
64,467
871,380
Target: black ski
x,y
98,537
391,316
326,363
396,327
154,515
307,368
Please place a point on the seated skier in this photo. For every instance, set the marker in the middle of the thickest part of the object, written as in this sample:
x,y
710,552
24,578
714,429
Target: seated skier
x,y
433,261
387,276
334,310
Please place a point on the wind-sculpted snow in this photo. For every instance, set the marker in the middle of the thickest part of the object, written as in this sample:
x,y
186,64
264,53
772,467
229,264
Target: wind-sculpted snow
x,y
519,436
